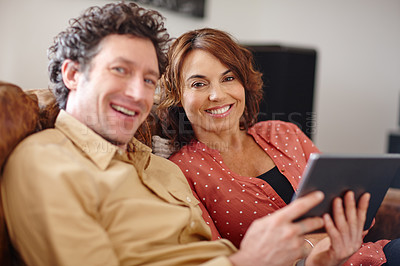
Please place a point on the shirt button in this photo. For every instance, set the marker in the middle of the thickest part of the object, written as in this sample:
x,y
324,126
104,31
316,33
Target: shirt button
x,y
188,199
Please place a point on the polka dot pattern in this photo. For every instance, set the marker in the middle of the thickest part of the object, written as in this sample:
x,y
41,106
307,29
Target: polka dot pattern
x,y
234,201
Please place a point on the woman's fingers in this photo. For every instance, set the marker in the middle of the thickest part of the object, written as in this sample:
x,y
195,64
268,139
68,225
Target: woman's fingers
x,y
348,212
338,212
347,229
288,236
362,209
351,209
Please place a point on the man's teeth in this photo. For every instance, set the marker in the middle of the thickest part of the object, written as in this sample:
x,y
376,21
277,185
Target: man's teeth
x,y
123,110
219,111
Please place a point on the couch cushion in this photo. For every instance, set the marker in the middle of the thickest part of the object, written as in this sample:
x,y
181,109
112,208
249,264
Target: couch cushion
x,y
19,115
48,107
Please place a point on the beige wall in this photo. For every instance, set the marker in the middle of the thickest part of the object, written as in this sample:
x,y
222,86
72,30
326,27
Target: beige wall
x,y
358,43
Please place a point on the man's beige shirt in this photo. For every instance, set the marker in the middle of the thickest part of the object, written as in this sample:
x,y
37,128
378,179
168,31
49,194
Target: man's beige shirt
x,y
72,198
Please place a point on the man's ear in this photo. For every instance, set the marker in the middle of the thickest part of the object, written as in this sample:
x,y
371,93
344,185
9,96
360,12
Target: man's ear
x,y
70,73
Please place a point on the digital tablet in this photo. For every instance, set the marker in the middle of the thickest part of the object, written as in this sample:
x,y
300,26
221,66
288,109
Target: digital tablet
x,y
335,174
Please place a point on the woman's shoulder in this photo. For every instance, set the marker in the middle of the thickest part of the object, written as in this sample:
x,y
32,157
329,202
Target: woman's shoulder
x,y
195,153
276,126
187,151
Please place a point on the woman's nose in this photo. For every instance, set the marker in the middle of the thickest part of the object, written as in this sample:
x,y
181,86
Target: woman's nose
x,y
216,93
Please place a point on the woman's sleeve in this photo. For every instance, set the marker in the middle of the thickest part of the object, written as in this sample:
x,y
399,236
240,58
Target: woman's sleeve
x,y
306,143
206,216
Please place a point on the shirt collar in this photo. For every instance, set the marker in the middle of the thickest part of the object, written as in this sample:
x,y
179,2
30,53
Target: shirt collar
x,y
96,148
139,154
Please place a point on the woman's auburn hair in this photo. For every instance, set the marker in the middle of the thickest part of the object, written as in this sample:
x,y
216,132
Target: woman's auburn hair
x,y
237,58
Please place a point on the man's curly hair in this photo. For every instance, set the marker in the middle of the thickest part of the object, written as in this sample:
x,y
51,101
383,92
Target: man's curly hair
x,y
80,41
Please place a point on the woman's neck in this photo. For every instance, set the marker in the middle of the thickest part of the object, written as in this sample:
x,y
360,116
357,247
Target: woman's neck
x,y
223,141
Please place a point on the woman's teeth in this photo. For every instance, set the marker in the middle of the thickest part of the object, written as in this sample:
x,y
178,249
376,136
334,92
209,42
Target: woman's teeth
x,y
218,111
123,110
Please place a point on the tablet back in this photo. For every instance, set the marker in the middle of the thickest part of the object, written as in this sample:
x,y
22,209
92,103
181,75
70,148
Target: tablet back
x,y
334,174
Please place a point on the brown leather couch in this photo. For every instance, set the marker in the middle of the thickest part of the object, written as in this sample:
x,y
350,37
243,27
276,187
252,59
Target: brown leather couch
x,y
25,112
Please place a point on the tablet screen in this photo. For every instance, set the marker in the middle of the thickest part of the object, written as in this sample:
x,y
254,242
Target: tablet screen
x,y
336,174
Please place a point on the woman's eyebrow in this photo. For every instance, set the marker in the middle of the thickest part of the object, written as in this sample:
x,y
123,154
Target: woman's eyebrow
x,y
202,76
226,72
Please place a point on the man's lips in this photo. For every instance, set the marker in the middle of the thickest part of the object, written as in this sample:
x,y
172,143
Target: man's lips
x,y
123,110
219,111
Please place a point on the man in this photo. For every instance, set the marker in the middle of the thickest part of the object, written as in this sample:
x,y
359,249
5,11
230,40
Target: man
x,y
86,193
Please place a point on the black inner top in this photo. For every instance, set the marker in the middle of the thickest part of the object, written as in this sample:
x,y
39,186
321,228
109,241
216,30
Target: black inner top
x,y
279,183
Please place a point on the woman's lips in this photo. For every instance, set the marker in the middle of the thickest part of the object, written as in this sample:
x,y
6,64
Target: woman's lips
x,y
219,110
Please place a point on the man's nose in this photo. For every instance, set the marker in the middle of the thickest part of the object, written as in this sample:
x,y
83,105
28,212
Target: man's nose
x,y
136,88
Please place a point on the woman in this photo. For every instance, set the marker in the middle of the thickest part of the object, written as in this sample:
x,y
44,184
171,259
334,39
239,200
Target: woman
x,y
240,170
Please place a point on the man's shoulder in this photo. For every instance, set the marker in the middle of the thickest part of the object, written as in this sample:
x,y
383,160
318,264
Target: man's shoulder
x,y
160,163
164,168
42,138
38,157
39,145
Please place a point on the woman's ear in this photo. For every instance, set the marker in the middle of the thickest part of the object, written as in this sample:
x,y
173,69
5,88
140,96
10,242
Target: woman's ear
x,y
70,73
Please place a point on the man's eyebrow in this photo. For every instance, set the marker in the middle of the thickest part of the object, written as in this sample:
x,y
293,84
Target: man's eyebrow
x,y
202,76
155,73
196,76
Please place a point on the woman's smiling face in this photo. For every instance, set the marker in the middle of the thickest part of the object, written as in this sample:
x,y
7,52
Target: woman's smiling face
x,y
212,96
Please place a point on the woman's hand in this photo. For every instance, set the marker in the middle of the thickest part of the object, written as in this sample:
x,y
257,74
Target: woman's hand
x,y
345,233
275,239
314,238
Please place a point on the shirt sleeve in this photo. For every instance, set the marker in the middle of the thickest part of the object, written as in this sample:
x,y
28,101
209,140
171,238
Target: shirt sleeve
x,y
305,142
219,261
51,217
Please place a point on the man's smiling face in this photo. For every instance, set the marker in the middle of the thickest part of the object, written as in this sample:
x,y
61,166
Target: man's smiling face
x,y
116,95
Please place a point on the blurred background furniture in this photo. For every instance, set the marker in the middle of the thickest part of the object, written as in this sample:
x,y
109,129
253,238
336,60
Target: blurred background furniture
x,y
289,84
394,146
387,220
